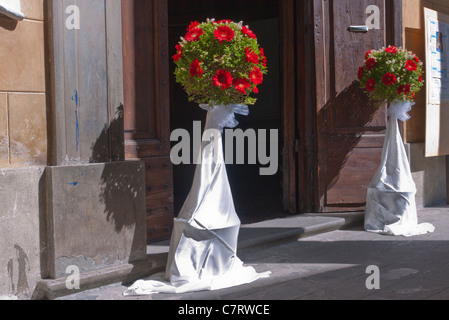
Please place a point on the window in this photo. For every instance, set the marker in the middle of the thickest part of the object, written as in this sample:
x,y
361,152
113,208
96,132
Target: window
x,y
11,8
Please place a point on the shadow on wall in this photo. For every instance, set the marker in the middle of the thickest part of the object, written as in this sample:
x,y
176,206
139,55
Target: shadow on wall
x,y
122,189
21,264
7,23
345,118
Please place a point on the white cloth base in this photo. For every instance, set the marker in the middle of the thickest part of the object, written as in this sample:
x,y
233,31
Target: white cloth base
x,y
203,246
391,206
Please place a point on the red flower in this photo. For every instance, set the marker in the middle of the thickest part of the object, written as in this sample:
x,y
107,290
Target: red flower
x,y
389,79
360,73
367,54
178,54
391,49
416,59
405,89
256,76
370,84
411,65
224,21
255,90
194,34
195,69
223,79
193,25
251,56
371,63
241,85
248,32
224,33
263,58
421,79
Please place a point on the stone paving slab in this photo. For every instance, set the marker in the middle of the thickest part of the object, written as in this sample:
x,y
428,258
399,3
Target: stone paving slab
x,y
333,266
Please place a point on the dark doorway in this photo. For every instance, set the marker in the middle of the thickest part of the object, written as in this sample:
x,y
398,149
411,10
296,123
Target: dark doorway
x,y
256,197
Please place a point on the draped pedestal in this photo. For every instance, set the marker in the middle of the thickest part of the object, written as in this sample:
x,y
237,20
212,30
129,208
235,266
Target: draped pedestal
x,y
203,246
391,206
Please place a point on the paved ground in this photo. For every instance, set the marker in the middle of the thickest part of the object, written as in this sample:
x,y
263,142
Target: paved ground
x,y
333,265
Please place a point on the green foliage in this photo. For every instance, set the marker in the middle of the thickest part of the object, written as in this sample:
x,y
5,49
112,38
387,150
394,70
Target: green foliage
x,y
214,55
391,74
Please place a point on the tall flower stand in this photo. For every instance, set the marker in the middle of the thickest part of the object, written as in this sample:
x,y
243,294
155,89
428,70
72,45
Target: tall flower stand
x,y
391,206
203,247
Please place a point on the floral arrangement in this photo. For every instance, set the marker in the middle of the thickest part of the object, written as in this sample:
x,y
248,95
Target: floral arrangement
x,y
391,74
220,63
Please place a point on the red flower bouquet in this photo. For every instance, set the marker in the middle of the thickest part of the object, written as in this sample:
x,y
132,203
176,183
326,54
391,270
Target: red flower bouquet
x,y
391,74
220,63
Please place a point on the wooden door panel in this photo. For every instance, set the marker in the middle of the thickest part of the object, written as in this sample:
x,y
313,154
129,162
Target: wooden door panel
x,y
350,128
348,186
147,107
159,197
350,47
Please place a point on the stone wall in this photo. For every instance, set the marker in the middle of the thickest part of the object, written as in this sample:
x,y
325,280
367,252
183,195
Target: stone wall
x,y
22,202
23,124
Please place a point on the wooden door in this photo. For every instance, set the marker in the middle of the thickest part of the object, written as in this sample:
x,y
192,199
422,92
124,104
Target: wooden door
x,y
147,108
350,129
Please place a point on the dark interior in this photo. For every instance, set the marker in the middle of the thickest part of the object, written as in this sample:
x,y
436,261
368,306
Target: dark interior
x,y
256,197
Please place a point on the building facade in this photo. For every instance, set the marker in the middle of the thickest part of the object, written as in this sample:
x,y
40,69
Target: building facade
x,y
88,101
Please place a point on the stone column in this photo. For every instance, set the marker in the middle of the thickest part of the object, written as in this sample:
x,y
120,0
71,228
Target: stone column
x,y
95,200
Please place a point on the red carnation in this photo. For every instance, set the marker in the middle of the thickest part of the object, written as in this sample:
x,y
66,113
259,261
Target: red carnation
x,y
251,56
391,49
370,85
193,25
178,54
411,65
194,34
263,58
367,54
360,73
421,79
248,32
255,90
224,21
416,59
371,63
224,33
405,89
195,69
241,85
256,76
223,79
389,79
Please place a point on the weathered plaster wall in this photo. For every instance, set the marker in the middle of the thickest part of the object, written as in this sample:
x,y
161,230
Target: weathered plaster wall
x,y
23,118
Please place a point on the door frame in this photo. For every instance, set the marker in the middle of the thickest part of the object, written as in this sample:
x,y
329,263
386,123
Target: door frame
x,y
288,105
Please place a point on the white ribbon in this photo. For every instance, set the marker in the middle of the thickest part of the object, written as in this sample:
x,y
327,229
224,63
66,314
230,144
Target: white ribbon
x,y
400,109
223,116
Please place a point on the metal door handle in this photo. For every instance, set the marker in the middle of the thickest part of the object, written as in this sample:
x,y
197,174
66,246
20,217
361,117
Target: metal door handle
x,y
360,29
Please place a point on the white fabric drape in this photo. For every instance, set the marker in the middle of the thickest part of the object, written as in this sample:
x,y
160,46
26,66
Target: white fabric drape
x,y
391,206
203,246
